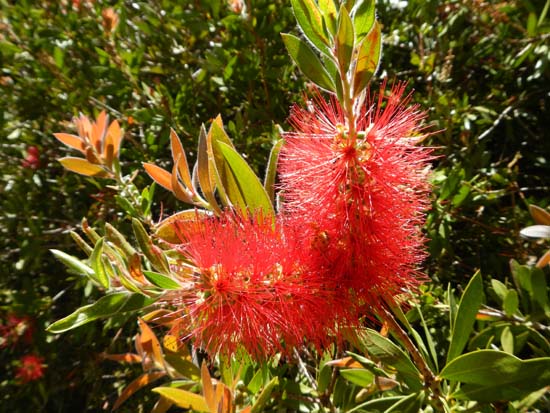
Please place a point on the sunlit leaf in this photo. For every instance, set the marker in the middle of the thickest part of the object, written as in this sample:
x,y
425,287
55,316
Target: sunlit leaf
x,y
71,141
271,171
73,263
161,281
178,153
368,59
462,326
243,186
345,39
308,62
172,228
159,175
361,377
310,21
183,398
536,232
122,358
105,307
363,18
83,167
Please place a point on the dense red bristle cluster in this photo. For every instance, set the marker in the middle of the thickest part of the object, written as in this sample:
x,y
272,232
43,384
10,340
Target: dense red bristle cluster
x,y
364,193
348,234
253,288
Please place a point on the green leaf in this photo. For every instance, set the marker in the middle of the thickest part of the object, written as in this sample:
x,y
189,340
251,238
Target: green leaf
x,y
183,366
490,375
183,398
206,177
97,264
511,302
263,398
507,340
162,281
361,377
410,404
466,315
363,18
243,187
329,12
382,349
271,171
153,253
73,263
310,21
345,39
308,62
368,59
377,405
106,306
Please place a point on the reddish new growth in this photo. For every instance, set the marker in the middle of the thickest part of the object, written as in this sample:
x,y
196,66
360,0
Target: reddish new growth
x,y
359,199
251,288
31,368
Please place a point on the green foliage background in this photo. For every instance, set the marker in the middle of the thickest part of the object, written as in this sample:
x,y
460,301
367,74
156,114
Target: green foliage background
x,y
480,69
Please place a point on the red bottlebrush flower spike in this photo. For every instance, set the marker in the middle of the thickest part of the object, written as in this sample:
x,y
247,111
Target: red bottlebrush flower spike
x,y
251,289
359,199
31,369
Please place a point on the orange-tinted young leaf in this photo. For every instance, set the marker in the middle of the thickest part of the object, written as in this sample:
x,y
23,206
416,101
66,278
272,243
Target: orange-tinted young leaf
x,y
116,135
135,269
99,127
71,141
137,384
346,362
172,228
91,156
208,389
179,153
247,409
179,190
83,167
544,260
227,401
541,216
108,151
150,343
368,59
159,175
122,358
84,126
160,316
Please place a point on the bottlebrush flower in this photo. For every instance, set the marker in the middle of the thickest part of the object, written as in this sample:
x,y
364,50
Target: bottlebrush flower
x,y
32,160
359,199
251,288
31,369
16,328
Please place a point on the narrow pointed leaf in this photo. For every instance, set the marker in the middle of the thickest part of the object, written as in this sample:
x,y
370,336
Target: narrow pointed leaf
x,y
345,39
115,132
368,59
207,388
180,191
178,153
308,62
264,396
310,21
135,385
205,176
73,263
150,343
105,307
114,236
161,280
243,186
83,167
97,264
490,375
153,253
329,12
382,349
183,398
159,175
271,171
536,232
466,315
363,18
71,141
